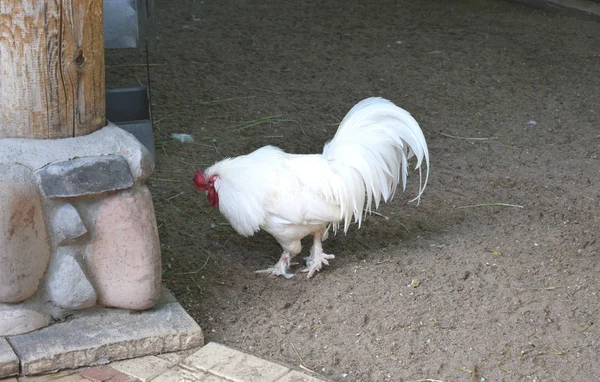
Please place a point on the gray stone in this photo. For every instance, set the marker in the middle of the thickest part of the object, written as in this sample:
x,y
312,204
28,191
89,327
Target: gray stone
x,y
67,284
37,153
9,363
104,335
21,318
66,224
85,176
24,243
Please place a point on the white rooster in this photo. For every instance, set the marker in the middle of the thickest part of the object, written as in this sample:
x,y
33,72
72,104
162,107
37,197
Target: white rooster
x,y
292,196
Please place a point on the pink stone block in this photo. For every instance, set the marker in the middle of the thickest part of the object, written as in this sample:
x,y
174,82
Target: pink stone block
x,y
24,244
123,256
99,373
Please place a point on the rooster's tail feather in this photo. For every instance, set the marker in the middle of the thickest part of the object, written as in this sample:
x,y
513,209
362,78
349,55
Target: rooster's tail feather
x,y
370,153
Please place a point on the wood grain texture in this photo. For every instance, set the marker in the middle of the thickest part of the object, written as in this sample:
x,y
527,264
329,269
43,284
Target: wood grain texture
x,y
51,68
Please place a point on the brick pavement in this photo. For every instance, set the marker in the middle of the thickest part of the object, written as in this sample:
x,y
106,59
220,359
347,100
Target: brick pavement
x,y
211,363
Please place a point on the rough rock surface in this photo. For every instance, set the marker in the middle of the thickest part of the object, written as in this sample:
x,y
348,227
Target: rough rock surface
x,y
67,284
35,153
24,244
66,224
123,257
85,176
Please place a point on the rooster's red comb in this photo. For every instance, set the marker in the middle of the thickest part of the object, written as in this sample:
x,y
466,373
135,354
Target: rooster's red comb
x,y
200,181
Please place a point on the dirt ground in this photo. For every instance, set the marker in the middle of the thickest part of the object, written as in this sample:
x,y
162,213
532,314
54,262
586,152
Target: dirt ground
x,y
509,99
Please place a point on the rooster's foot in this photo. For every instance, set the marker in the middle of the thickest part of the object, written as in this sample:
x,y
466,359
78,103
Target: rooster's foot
x,y
315,262
281,268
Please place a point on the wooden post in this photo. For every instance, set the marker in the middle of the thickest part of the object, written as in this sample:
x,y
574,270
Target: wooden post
x,y
51,68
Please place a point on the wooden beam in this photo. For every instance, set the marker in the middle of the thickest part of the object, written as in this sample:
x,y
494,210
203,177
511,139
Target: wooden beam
x,y
51,68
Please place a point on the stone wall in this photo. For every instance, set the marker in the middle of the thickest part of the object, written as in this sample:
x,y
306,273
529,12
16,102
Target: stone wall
x,y
77,228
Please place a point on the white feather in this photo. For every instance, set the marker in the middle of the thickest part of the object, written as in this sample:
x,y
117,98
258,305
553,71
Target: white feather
x,y
291,196
244,185
375,139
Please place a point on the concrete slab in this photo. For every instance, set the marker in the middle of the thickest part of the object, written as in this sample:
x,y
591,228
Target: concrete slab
x,y
144,368
99,374
177,357
233,364
105,335
296,376
9,362
181,374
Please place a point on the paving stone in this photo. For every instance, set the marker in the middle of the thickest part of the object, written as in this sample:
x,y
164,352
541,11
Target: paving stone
x,y
103,335
66,376
296,376
177,357
234,365
208,377
123,378
99,373
67,284
143,368
9,363
24,244
85,176
180,374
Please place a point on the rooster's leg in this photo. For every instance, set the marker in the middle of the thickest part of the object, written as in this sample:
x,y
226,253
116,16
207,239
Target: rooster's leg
x,y
281,268
317,258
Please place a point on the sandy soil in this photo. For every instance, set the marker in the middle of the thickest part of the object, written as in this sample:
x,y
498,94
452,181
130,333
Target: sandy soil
x,y
509,100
